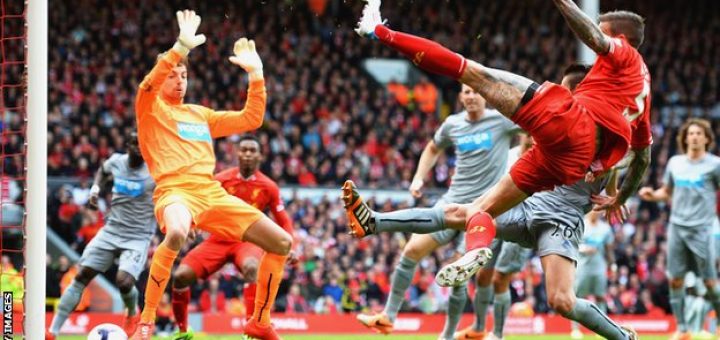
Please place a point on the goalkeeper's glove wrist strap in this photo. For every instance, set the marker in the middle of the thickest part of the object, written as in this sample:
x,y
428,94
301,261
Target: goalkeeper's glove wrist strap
x,y
256,74
181,49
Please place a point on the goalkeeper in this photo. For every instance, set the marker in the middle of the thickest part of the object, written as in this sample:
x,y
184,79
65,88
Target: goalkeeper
x,y
176,140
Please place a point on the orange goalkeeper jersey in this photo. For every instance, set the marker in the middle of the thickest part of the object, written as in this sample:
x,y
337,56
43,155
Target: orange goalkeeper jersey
x,y
175,138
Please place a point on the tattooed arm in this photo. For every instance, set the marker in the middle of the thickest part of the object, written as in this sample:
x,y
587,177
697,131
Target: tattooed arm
x,y
636,171
585,29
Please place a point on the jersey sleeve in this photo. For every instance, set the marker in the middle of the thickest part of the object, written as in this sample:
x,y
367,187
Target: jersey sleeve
x,y
150,86
621,53
225,123
442,135
641,133
277,208
110,163
667,176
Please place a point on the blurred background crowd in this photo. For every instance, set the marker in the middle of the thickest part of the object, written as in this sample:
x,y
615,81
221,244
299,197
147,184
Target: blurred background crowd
x,y
327,120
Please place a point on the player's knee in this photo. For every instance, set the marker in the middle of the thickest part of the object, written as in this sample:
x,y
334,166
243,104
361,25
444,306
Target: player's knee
x,y
563,303
283,245
677,283
500,282
414,252
484,277
454,215
183,277
249,271
125,284
175,238
85,275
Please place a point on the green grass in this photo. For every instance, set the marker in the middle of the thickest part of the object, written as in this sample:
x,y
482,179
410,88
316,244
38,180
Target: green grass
x,y
389,337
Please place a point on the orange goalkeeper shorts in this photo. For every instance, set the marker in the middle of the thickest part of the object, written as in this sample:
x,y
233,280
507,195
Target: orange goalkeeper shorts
x,y
211,207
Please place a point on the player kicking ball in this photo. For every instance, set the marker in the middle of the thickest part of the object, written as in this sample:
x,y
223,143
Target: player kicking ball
x,y
252,186
577,135
551,222
125,236
176,140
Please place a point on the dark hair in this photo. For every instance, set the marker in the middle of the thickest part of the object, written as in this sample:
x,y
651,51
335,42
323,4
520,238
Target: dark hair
x,y
576,73
702,123
248,136
183,61
627,23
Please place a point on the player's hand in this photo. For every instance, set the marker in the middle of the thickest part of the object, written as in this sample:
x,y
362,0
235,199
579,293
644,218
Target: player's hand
x,y
646,193
293,258
188,22
192,235
246,56
615,212
93,201
416,186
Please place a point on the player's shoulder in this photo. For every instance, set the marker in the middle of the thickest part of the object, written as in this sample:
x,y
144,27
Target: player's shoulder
x,y
712,158
677,158
266,180
455,118
227,174
116,158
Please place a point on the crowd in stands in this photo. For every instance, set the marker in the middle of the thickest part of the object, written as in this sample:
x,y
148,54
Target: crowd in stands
x,y
328,121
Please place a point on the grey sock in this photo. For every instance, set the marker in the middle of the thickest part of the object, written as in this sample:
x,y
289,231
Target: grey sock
x,y
590,316
399,284
677,302
418,220
130,300
456,305
68,301
483,299
713,296
501,308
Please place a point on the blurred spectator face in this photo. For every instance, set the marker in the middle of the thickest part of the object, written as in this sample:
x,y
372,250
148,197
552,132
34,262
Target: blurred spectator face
x,y
472,101
175,84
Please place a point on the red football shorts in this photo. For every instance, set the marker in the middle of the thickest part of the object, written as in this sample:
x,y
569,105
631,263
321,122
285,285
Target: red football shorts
x,y
212,254
564,135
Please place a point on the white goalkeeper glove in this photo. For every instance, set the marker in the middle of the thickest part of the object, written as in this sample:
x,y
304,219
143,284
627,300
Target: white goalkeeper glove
x,y
247,57
188,22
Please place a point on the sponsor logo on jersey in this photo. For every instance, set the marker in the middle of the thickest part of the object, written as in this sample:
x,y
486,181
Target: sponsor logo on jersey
x,y
128,187
474,142
197,132
692,183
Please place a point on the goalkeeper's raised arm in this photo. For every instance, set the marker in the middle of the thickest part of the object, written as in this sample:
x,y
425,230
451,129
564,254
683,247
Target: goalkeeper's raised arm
x,y
224,123
168,65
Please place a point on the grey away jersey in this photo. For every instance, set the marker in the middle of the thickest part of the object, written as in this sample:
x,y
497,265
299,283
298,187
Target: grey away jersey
x,y
597,236
693,184
132,212
481,149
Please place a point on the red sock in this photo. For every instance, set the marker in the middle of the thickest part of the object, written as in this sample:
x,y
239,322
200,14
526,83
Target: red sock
x,y
426,54
479,231
180,301
249,298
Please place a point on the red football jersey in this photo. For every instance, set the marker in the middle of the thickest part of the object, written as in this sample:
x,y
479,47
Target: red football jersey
x,y
616,94
259,191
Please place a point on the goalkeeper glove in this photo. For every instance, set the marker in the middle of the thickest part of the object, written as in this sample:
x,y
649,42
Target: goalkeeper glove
x,y
247,57
188,22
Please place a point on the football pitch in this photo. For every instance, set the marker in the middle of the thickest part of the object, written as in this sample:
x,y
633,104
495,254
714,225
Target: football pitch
x,y
384,337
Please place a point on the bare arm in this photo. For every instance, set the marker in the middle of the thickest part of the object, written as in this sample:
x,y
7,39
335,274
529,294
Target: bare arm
x,y
101,177
636,171
585,28
662,194
428,158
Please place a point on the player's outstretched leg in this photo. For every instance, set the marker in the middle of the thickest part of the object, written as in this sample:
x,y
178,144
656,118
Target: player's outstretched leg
x,y
559,277
503,90
364,221
70,299
276,243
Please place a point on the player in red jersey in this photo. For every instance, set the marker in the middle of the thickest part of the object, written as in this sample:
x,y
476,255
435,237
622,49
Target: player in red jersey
x,y
252,186
580,135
